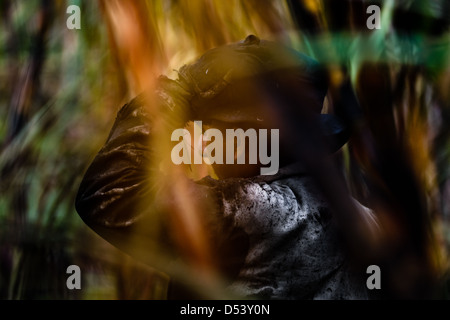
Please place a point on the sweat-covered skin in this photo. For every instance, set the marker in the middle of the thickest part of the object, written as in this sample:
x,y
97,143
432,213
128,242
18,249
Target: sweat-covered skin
x,y
272,237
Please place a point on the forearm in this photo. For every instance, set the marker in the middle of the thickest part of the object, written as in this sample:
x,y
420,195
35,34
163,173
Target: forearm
x,y
126,198
118,175
119,196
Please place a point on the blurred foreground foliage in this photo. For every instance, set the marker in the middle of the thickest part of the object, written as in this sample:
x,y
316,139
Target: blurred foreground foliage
x,y
60,90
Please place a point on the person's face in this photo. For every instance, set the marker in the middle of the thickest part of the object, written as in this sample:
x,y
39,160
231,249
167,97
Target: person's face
x,y
244,107
234,170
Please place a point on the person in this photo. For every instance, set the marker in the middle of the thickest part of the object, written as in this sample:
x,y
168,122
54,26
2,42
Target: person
x,y
270,236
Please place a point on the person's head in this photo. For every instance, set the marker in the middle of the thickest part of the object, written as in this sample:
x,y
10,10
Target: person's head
x,y
256,84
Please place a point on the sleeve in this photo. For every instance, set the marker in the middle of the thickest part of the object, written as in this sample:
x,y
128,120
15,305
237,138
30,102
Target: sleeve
x,y
117,193
120,199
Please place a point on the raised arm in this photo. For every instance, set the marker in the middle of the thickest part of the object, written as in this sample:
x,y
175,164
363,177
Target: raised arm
x,y
120,197
123,198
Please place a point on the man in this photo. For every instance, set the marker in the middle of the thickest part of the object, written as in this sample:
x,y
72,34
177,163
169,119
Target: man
x,y
267,236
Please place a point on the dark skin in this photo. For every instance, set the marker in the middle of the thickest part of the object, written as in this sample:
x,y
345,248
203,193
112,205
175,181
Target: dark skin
x,y
251,108
241,170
